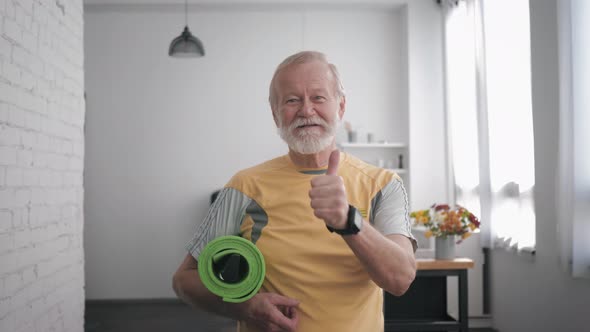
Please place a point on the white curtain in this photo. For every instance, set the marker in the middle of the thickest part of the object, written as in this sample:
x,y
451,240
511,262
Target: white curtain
x,y
489,113
574,161
510,121
461,105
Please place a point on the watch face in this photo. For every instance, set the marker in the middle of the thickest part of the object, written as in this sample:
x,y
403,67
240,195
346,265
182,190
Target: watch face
x,y
358,220
354,223
355,220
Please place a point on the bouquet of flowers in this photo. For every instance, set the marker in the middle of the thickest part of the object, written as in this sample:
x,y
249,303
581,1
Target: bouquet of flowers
x,y
440,220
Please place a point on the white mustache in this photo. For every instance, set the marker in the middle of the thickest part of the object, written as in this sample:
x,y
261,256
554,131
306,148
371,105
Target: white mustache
x,y
307,122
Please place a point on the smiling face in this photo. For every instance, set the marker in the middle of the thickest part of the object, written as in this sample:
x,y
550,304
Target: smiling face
x,y
308,108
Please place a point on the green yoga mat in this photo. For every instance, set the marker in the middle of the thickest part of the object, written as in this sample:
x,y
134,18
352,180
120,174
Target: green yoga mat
x,y
232,267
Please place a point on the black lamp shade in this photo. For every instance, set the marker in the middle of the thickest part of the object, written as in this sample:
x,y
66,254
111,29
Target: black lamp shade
x,y
186,46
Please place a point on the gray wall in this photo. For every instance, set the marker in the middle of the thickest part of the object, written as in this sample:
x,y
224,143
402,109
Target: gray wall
x,y
164,133
534,294
426,104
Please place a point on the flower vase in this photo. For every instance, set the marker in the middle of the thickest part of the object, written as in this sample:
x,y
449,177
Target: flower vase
x,y
444,247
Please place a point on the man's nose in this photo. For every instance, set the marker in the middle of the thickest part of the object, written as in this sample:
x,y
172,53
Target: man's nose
x,y
307,108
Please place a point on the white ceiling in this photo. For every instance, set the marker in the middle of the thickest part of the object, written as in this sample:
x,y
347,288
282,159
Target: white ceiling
x,y
370,3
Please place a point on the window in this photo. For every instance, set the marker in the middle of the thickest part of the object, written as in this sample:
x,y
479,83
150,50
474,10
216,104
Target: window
x,y
489,113
574,164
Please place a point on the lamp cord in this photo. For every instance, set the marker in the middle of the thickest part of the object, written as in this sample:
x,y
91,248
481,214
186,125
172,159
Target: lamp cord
x,y
186,12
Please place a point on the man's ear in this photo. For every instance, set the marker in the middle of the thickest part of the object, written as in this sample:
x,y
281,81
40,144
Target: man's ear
x,y
342,106
274,117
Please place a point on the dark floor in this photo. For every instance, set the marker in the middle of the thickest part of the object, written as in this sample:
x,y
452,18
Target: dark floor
x,y
157,316
151,316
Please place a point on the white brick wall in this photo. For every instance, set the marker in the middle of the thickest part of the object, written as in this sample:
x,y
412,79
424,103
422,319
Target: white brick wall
x,y
41,165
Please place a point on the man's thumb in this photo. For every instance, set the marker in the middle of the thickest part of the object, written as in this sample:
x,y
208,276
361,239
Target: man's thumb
x,y
333,162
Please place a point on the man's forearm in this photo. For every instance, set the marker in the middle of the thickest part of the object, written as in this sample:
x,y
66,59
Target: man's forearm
x,y
390,265
265,311
189,288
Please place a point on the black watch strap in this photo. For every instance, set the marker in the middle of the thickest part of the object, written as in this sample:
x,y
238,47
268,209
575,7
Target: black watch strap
x,y
354,223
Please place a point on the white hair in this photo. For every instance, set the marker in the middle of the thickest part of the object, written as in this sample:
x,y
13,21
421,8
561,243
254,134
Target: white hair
x,y
302,58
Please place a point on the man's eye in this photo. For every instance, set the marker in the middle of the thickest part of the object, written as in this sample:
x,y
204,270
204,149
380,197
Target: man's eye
x,y
319,98
292,100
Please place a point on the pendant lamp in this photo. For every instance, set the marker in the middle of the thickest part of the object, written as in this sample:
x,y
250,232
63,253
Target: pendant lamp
x,y
186,45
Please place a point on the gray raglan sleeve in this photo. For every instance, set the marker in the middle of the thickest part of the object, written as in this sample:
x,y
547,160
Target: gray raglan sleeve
x,y
390,211
223,218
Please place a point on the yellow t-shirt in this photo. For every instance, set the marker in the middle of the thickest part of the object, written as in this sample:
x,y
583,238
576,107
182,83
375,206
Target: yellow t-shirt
x,y
269,205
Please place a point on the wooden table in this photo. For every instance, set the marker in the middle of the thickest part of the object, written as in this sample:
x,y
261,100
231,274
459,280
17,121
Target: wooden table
x,y
424,306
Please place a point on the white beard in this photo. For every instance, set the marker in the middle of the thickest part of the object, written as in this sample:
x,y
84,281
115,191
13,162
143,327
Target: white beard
x,y
308,141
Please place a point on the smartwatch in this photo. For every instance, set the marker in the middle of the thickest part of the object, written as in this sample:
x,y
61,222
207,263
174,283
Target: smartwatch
x,y
354,223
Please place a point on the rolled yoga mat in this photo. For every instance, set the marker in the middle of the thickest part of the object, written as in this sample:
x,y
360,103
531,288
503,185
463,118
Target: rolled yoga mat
x,y
232,267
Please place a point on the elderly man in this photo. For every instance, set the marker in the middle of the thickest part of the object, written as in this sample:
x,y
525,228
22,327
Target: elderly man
x,y
334,231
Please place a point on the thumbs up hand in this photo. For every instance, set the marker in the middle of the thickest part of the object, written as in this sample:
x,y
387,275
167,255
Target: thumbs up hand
x,y
328,195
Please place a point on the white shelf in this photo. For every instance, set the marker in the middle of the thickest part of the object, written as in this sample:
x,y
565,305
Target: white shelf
x,y
419,228
399,170
373,145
